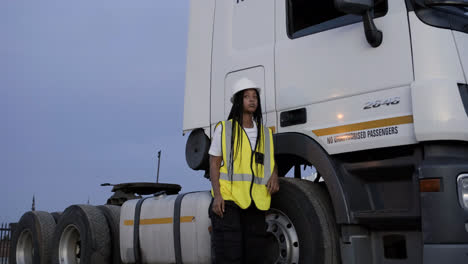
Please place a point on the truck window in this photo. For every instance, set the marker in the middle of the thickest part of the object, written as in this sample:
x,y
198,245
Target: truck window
x,y
305,17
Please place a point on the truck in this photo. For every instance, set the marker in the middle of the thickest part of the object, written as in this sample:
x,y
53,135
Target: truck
x,y
370,98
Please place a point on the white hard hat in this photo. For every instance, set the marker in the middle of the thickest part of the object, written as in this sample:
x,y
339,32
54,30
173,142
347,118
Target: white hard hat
x,y
243,84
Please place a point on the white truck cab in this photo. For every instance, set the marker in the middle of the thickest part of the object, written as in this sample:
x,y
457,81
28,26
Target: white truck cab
x,y
372,95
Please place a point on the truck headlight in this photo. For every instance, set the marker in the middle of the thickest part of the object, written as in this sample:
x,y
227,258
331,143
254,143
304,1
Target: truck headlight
x,y
462,183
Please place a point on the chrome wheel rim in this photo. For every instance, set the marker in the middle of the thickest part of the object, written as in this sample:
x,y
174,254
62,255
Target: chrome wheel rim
x,y
70,246
282,228
25,248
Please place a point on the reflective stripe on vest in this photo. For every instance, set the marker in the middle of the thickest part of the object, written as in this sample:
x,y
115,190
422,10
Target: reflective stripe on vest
x,y
236,183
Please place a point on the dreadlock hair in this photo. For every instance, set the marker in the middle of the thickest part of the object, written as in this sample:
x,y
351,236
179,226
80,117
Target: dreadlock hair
x,y
236,114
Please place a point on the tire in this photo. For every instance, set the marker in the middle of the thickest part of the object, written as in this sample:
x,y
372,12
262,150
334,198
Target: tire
x,y
56,216
31,241
112,214
82,236
301,224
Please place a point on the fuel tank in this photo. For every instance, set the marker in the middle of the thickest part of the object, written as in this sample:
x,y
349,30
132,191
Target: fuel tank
x,y
158,230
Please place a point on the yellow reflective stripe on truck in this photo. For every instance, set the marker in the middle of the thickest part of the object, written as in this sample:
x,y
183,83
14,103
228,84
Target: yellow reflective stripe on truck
x,y
157,221
400,120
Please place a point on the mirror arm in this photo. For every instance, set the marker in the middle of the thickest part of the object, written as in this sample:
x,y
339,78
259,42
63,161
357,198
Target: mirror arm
x,y
373,35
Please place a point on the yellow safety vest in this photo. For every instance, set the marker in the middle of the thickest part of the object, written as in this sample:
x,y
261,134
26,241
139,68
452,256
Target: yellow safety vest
x,y
250,176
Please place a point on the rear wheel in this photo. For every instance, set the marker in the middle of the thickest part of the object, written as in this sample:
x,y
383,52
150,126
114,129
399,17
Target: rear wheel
x,y
112,214
31,240
82,236
301,224
56,216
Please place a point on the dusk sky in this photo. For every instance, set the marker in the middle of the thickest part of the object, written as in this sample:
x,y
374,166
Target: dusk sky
x,y
90,90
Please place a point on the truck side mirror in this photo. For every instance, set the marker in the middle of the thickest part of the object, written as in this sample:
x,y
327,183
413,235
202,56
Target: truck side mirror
x,y
356,7
362,7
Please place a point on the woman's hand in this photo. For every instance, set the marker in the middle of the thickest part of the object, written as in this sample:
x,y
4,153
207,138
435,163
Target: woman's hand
x,y
218,202
218,205
273,182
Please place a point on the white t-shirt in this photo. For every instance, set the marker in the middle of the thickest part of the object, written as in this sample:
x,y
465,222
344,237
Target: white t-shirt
x,y
215,148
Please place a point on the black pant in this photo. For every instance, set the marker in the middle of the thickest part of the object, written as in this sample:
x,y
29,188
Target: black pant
x,y
239,236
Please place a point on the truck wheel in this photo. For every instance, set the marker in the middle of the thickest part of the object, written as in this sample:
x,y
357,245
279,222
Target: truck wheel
x,y
112,214
301,225
82,236
56,216
31,239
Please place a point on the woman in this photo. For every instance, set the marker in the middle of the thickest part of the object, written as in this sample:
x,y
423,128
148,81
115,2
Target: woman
x,y
243,177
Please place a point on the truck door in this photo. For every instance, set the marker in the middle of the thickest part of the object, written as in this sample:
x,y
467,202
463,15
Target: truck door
x,y
322,55
243,47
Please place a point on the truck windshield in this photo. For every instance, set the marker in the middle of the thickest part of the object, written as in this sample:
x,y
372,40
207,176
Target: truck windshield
x,y
444,16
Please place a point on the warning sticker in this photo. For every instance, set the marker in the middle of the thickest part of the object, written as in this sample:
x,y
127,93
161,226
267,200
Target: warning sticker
x,y
363,134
